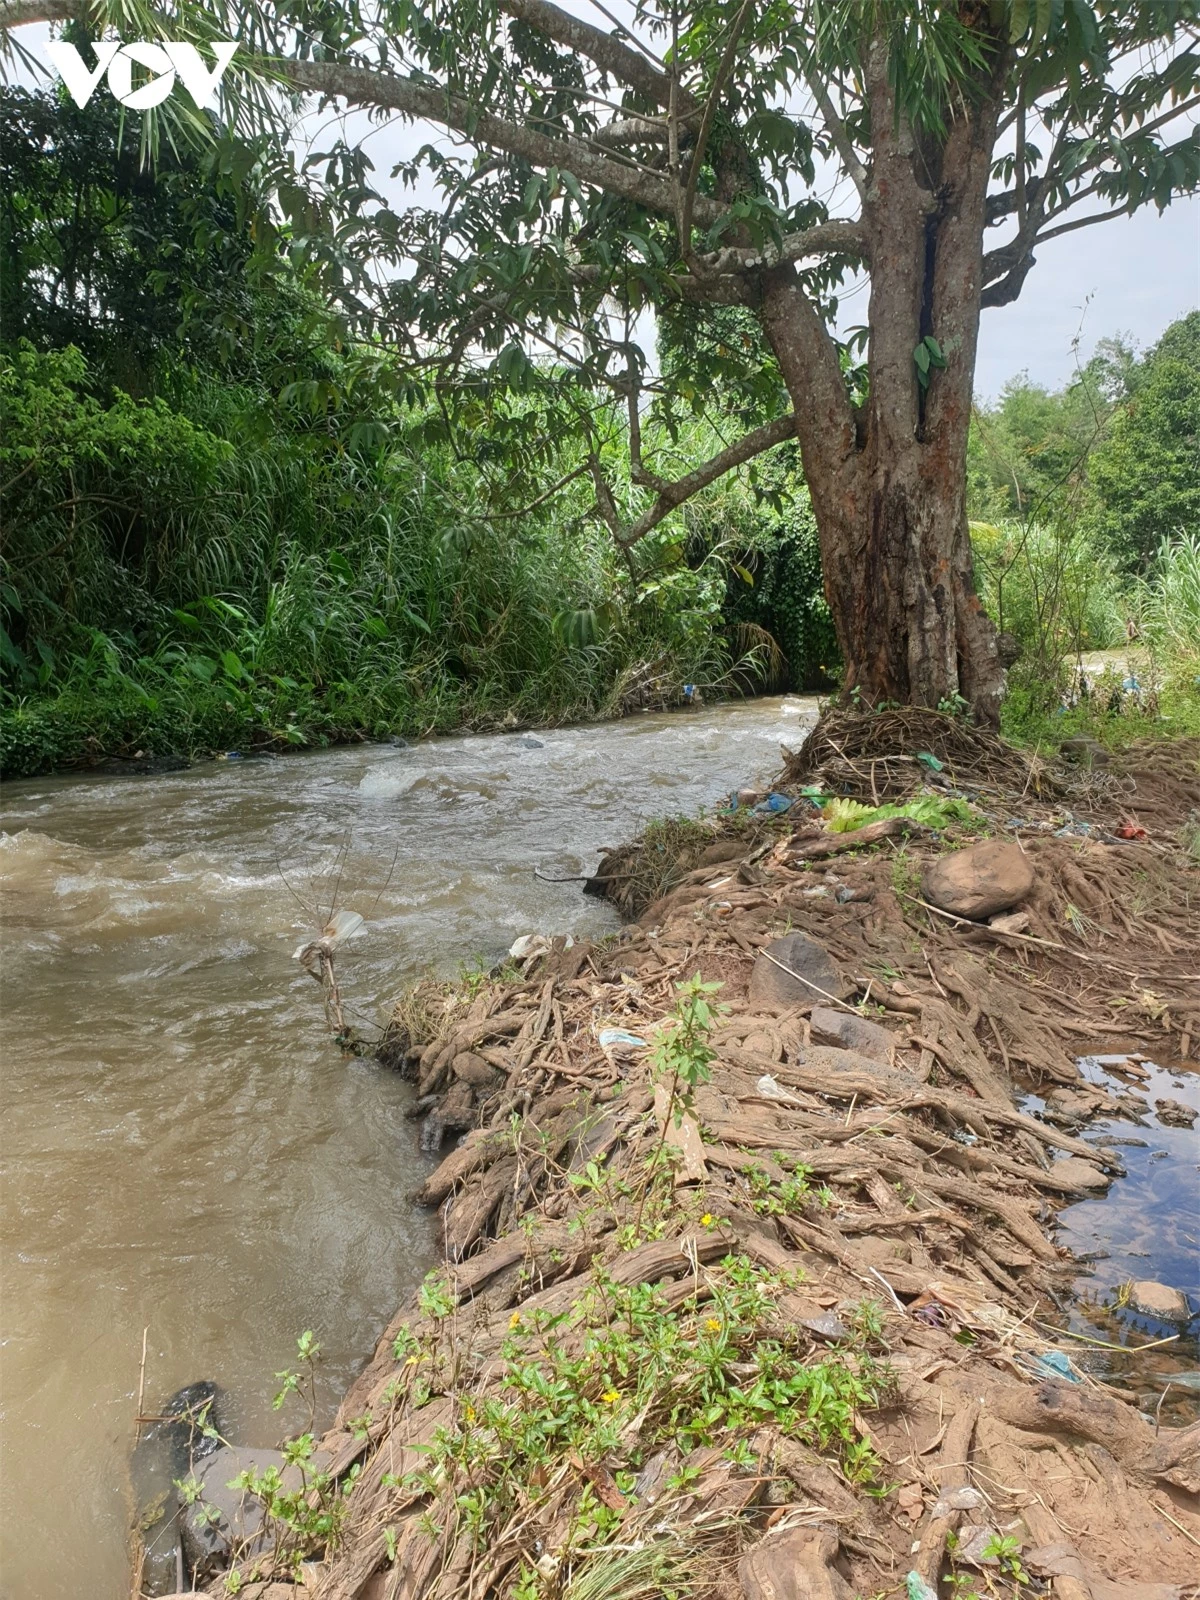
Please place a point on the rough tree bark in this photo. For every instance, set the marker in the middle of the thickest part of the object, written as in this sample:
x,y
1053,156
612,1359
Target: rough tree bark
x,y
888,482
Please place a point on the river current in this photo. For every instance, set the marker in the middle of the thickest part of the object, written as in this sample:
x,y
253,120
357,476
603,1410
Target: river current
x,y
185,1151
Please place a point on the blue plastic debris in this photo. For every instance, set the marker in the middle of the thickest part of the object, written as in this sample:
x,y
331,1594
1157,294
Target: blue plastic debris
x,y
1056,1364
620,1038
918,1589
773,805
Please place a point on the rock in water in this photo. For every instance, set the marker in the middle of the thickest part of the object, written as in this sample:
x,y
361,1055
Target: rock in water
x,y
979,881
1081,1175
1159,1300
1174,1113
852,1033
239,1514
770,985
796,1565
168,1449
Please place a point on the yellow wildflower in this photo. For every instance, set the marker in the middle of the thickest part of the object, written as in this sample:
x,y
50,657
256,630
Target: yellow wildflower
x,y
610,1397
713,1325
515,1320
706,1221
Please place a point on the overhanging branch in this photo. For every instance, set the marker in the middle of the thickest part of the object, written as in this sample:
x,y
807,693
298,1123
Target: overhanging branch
x,y
604,49
672,495
365,87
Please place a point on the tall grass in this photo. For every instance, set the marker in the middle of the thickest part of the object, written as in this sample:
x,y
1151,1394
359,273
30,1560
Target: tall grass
x,y
1167,603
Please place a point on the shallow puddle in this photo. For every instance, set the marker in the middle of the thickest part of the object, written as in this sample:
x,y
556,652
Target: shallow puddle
x,y
1147,1226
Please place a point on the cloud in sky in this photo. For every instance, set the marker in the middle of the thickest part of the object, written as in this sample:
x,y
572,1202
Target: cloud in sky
x,y
1132,275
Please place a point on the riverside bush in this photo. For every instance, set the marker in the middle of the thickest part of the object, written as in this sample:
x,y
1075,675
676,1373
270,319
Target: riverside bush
x,y
168,589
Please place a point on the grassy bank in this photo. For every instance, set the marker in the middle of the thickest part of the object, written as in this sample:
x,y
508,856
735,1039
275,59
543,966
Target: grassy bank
x,y
211,573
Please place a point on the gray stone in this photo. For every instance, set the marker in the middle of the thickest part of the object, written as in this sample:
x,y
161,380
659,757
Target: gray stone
x,y
852,1033
1174,1113
467,1067
818,975
825,1325
1081,1175
1085,750
979,881
239,1513
1159,1300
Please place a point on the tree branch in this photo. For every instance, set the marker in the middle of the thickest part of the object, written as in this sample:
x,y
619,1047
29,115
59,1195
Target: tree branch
x,y
17,13
363,86
855,170
604,49
1083,222
839,236
710,111
673,494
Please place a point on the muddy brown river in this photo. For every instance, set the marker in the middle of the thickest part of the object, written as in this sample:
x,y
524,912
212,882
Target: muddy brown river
x,y
184,1149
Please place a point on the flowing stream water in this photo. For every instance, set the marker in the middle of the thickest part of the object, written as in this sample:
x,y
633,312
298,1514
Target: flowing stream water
x,y
184,1148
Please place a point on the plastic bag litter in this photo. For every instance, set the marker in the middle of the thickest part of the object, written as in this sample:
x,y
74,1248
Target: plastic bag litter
x,y
1055,1364
619,1041
771,1090
344,925
774,805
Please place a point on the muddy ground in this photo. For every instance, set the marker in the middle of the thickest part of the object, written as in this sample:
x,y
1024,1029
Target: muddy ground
x,y
753,1292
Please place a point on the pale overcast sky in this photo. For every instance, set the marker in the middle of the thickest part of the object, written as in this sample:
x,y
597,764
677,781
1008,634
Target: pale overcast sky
x,y
1130,276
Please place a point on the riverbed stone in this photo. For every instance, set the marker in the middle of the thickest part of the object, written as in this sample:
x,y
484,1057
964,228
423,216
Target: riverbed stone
x,y
852,1033
1154,1299
1081,1175
1174,1113
818,974
981,880
239,1514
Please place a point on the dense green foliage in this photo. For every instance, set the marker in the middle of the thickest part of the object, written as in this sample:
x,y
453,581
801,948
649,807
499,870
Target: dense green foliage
x,y
226,527
1117,449
1145,474
1087,503
170,590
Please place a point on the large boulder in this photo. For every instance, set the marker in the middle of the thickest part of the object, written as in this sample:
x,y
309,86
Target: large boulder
x,y
979,881
811,974
238,1523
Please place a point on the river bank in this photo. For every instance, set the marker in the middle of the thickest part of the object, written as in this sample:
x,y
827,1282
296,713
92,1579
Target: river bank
x,y
185,1148
755,1290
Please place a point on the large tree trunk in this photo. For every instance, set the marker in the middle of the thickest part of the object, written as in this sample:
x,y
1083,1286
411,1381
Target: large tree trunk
x,y
899,582
888,482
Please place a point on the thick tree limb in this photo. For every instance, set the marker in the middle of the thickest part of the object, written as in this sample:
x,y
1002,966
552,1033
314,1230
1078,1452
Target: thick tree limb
x,y
622,131
365,87
17,13
604,49
673,494
839,236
